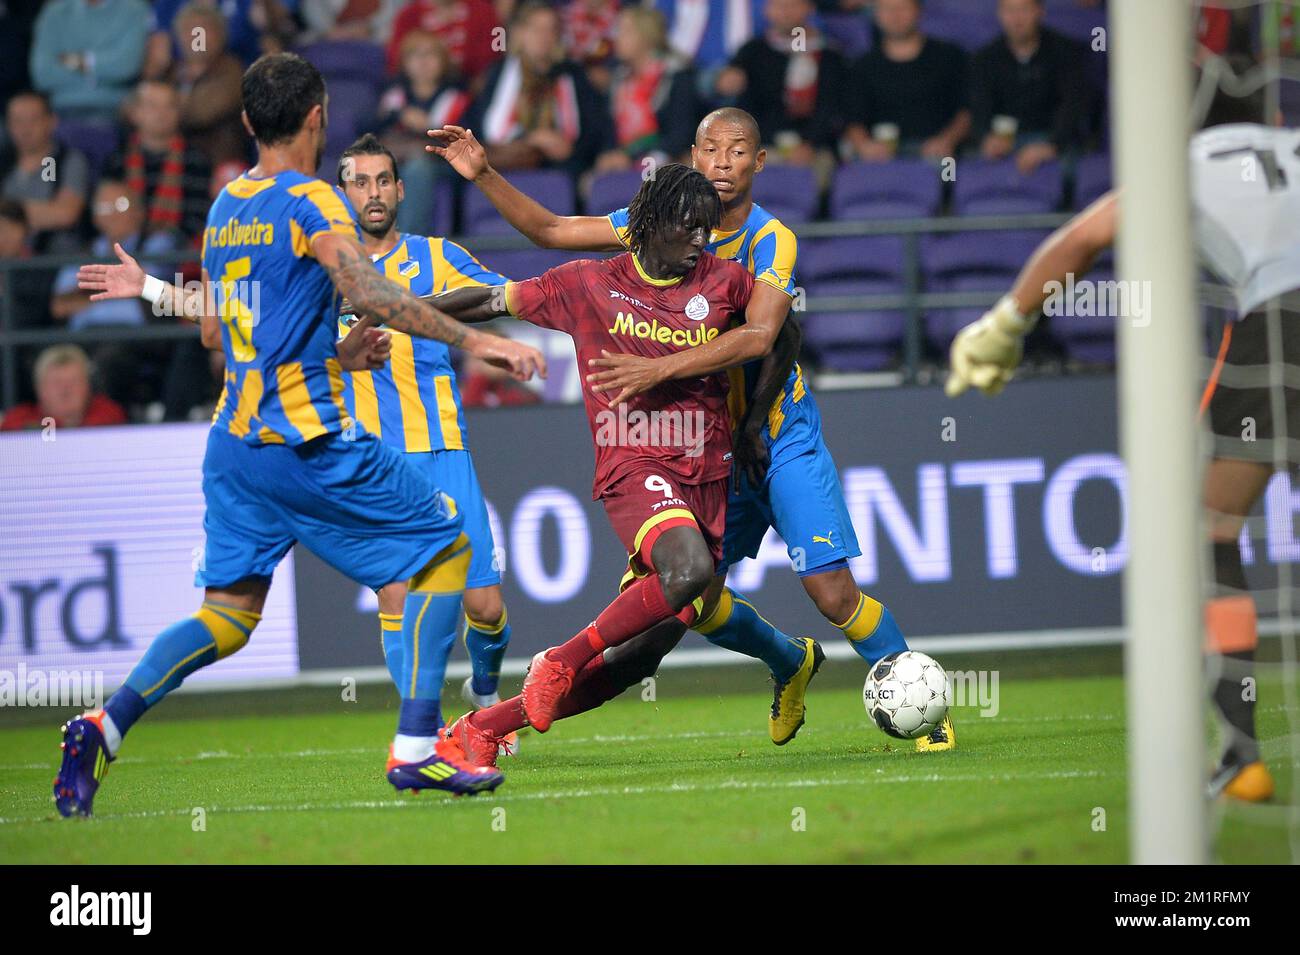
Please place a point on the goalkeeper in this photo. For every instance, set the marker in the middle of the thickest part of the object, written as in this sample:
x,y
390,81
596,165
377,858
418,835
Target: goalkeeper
x,y
1248,231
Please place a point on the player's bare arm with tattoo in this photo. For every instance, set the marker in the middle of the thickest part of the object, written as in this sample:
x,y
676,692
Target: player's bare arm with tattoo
x,y
375,297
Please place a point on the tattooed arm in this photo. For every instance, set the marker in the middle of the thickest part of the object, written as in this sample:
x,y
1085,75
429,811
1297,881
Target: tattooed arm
x,y
471,304
374,296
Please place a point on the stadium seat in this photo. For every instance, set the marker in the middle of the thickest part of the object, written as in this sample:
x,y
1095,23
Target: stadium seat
x,y
902,189
551,188
523,263
866,265
863,257
1074,21
97,141
854,340
998,188
444,207
612,190
850,33
970,24
1088,338
788,192
1091,179
971,262
351,107
347,60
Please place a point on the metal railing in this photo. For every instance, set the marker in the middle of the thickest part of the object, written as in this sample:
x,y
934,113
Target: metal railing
x,y
913,299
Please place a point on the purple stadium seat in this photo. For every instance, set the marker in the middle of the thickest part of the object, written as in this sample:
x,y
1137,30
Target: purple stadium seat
x,y
97,141
1089,338
864,265
351,107
612,190
444,207
998,188
902,189
943,324
968,23
347,60
1091,179
1074,21
858,257
854,341
441,218
850,33
551,188
788,192
523,263
998,252
971,262
1097,351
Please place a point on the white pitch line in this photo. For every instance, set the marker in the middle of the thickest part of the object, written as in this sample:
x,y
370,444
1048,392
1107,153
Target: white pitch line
x,y
740,735
671,789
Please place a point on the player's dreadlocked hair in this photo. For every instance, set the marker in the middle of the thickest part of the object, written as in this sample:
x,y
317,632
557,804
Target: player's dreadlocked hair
x,y
676,194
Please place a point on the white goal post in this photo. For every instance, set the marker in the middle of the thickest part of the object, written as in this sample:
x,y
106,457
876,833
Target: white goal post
x,y
1151,76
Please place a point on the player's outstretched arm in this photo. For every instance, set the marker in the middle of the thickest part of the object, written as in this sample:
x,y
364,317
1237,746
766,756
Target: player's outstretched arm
x,y
544,228
986,352
385,302
749,451
126,279
630,375
473,303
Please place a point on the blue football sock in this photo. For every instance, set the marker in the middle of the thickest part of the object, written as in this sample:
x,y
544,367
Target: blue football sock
x,y
872,631
429,623
390,635
736,625
215,631
486,645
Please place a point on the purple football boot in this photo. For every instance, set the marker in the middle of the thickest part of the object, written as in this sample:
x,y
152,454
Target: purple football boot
x,y
85,761
447,769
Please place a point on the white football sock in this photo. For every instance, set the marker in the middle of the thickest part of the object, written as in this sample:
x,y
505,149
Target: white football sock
x,y
412,749
112,737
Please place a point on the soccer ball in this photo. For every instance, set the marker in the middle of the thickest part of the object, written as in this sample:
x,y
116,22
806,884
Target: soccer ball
x,y
906,694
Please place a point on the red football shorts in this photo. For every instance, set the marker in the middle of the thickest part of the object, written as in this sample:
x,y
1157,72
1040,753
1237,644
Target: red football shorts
x,y
646,503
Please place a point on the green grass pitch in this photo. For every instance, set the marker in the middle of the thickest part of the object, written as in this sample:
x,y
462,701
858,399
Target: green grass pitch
x,y
690,777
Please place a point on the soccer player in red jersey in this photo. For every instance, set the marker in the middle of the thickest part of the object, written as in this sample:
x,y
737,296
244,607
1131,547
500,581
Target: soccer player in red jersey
x,y
663,459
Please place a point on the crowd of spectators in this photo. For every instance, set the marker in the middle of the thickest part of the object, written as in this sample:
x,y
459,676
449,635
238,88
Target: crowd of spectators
x,y
150,95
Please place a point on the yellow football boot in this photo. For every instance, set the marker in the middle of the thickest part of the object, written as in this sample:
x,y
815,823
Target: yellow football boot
x,y
788,710
941,738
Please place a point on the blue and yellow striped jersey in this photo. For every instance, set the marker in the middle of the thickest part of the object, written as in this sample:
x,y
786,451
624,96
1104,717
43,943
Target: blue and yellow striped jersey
x,y
283,381
768,249
413,402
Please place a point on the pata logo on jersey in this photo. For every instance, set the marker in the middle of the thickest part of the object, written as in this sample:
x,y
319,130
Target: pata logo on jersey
x,y
1092,298
622,428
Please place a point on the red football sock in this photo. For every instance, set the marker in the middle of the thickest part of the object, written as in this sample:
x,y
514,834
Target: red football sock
x,y
634,611
501,718
591,688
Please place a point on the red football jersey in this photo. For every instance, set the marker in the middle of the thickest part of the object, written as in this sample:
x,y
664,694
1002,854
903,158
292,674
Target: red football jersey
x,y
681,426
